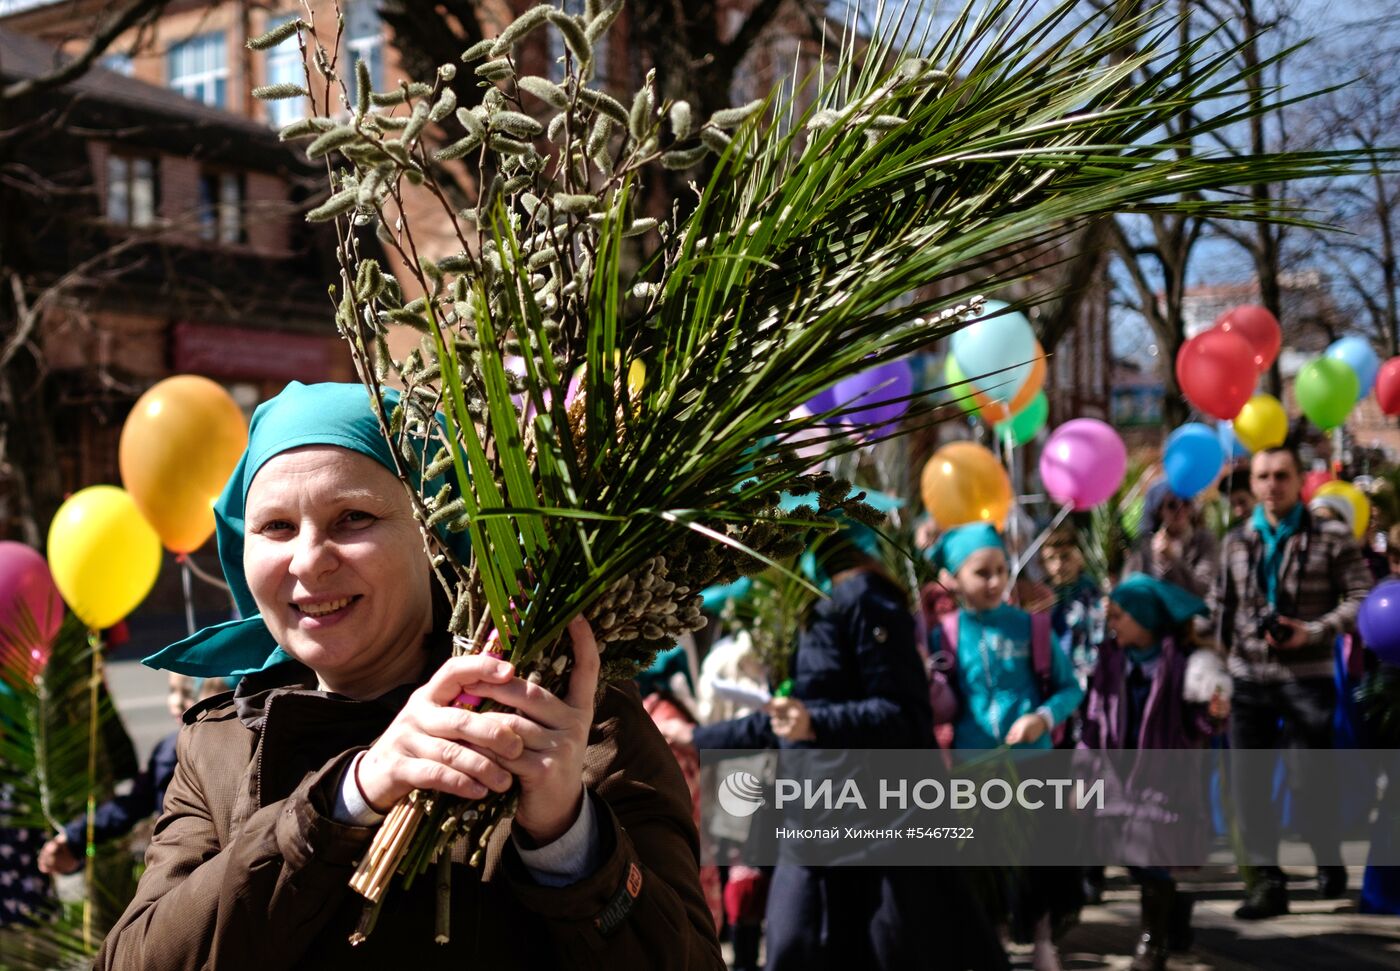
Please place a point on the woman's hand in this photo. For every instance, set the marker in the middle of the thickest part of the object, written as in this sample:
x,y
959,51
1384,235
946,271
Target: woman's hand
x,y
434,745
1026,730
791,720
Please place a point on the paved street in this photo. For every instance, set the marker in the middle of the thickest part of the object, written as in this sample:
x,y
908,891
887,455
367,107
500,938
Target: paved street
x,y
1319,935
139,693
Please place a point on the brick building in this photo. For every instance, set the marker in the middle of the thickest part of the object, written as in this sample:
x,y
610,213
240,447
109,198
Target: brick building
x,y
145,234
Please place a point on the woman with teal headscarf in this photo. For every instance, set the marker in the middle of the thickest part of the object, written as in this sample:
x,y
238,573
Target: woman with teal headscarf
x,y
1155,689
348,702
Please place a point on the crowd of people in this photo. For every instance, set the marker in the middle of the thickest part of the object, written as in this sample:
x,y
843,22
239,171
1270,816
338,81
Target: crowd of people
x,y
1198,641
1195,642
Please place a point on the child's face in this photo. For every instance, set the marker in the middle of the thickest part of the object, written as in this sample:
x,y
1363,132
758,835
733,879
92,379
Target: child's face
x,y
1125,630
981,580
1063,564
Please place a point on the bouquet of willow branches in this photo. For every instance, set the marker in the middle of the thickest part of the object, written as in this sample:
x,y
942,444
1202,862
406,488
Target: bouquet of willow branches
x,y
612,392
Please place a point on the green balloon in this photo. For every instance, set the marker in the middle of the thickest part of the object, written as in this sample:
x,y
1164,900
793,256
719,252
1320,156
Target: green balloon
x,y
960,389
1327,389
1023,426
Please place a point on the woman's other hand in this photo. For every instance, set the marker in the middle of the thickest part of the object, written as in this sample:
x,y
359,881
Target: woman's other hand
x,y
433,744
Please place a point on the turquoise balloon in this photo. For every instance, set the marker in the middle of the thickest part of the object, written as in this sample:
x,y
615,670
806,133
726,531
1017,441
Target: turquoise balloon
x,y
1002,338
1358,354
1326,390
1023,426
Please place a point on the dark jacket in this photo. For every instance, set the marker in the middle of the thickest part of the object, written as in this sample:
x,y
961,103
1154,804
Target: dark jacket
x,y
119,815
1325,592
247,869
858,671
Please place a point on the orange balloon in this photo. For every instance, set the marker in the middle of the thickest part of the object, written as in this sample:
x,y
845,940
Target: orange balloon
x,y
179,445
994,412
964,483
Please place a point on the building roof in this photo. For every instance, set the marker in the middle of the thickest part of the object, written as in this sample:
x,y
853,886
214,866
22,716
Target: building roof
x,y
23,57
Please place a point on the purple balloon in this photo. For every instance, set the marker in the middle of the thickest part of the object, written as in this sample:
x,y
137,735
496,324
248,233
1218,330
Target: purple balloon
x,y
1083,463
876,395
31,609
1379,621
821,401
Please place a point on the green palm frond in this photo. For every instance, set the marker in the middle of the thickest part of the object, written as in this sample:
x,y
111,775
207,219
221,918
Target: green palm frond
x,y
916,166
48,774
44,747
1114,527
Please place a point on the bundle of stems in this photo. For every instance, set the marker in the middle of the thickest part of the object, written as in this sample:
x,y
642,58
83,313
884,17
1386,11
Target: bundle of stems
x,y
611,391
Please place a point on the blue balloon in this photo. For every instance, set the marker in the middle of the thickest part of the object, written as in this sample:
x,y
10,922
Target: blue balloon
x,y
1192,459
1000,339
1230,443
1357,353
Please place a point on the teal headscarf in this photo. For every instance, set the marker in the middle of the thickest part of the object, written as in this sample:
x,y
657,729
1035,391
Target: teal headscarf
x,y
857,534
1156,604
957,544
303,414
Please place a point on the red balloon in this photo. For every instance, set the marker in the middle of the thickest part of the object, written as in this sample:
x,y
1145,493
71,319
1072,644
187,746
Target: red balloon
x,y
1313,481
1388,386
1216,373
1257,326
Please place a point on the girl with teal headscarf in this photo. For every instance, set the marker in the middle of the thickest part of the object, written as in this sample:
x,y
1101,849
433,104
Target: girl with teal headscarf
x,y
350,699
1154,688
1002,699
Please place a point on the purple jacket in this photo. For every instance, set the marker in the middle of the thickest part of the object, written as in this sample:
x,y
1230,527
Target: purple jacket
x,y
1150,818
1167,720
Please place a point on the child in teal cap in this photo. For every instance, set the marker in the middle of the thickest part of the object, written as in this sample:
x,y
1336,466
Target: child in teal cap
x,y
1153,689
1010,684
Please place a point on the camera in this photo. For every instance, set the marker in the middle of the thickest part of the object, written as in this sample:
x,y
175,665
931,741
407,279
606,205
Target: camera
x,y
1271,627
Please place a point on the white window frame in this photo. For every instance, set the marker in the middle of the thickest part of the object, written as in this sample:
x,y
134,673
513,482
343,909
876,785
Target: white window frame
x,y
283,64
207,55
221,212
366,46
136,191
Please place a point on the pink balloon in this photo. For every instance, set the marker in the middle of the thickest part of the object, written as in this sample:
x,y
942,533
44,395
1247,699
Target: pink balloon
x,y
31,610
1083,463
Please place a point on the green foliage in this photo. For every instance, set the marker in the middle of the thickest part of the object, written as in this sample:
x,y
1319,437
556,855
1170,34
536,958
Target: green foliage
x,y
45,770
1114,527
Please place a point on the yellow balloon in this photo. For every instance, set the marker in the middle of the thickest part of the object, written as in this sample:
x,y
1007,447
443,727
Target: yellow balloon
x,y
1261,423
1360,505
103,554
964,483
179,445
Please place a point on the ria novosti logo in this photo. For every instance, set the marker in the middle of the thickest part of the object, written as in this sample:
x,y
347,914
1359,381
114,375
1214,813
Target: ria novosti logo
x,y
741,794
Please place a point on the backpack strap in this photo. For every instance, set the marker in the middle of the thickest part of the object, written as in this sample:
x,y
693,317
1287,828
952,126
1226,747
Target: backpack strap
x,y
948,628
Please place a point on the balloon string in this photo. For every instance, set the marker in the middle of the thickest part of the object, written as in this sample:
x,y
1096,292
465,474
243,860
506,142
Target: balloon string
x,y
187,586
90,850
209,578
1025,557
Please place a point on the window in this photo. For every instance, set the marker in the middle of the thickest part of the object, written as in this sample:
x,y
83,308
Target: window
x,y
198,69
284,66
364,40
120,63
131,190
556,49
221,207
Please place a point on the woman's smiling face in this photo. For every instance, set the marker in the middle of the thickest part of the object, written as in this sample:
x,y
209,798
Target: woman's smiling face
x,y
335,561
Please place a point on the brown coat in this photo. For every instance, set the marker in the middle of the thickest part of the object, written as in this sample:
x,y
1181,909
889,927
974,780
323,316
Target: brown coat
x,y
248,871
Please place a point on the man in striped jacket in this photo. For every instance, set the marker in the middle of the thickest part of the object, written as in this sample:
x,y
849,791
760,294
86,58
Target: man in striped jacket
x,y
1289,586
